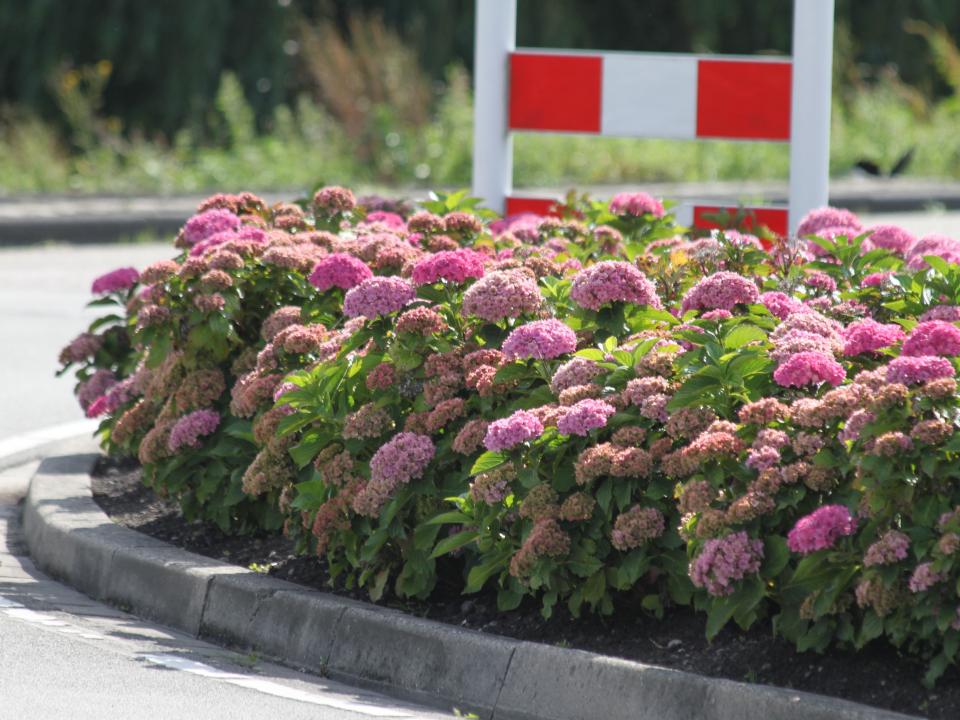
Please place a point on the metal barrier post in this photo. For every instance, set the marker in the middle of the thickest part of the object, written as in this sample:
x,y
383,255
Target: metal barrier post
x,y
494,39
810,107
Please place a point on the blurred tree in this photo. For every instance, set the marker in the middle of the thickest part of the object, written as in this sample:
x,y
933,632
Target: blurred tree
x,y
167,58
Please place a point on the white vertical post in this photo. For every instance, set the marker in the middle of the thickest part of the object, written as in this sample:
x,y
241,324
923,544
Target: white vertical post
x,y
810,107
494,39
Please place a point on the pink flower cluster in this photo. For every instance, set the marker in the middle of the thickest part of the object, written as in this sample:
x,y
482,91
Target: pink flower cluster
x,y
403,458
636,526
948,313
939,245
720,291
911,370
503,294
821,529
889,237
188,430
540,340
612,281
574,372
868,336
201,226
584,416
780,304
637,204
120,279
809,368
510,431
334,200
339,270
724,561
924,577
825,218
454,266
890,548
377,296
934,337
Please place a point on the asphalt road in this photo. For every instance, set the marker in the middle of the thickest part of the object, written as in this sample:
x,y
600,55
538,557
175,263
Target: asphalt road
x,y
61,654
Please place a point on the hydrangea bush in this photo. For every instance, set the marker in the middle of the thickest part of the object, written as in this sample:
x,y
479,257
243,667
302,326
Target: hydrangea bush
x,y
593,409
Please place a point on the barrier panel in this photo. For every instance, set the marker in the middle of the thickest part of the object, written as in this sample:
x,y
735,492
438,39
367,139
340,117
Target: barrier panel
x,y
653,95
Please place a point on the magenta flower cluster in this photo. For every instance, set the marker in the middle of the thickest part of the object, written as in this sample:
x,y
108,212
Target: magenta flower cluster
x,y
809,368
510,431
188,430
208,223
378,296
869,336
120,279
816,221
339,270
637,204
501,295
403,458
540,340
725,561
720,291
934,337
821,529
911,370
584,416
612,281
454,266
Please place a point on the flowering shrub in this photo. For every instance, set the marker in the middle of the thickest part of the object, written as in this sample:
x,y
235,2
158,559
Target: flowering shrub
x,y
594,409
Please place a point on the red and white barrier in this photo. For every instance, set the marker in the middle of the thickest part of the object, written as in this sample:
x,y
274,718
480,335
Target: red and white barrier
x,y
655,95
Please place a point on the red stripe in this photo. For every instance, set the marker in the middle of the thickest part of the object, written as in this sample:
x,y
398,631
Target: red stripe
x,y
773,218
745,100
536,206
555,92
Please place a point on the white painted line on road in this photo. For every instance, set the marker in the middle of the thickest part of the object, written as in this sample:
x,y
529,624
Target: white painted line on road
x,y
16,611
270,687
25,441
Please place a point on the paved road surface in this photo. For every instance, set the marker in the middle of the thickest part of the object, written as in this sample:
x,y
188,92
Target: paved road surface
x,y
61,654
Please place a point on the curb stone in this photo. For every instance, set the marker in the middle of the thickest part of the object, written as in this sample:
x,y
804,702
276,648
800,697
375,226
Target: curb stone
x,y
72,539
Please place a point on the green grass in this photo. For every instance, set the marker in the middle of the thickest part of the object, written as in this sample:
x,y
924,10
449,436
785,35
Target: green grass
x,y
305,146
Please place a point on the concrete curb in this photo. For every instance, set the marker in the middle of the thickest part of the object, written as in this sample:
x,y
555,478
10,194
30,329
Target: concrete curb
x,y
72,539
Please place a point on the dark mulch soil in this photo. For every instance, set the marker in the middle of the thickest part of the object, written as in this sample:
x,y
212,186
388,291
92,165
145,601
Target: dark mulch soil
x,y
877,676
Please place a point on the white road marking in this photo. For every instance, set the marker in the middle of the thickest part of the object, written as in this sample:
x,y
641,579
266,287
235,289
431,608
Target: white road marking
x,y
25,441
270,687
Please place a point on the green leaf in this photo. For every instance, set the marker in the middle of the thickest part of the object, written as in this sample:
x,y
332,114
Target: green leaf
x,y
454,517
479,574
373,544
692,391
872,628
776,555
310,494
307,449
375,590
595,587
508,599
454,542
488,461
743,334
511,372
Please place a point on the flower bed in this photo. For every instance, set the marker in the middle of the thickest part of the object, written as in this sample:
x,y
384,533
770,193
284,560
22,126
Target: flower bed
x,y
592,410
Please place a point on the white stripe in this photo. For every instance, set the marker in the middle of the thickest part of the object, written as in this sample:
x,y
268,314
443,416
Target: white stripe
x,y
268,687
25,441
649,96
684,214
